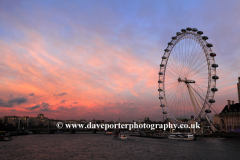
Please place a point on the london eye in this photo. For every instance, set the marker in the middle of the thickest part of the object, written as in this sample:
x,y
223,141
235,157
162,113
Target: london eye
x,y
187,77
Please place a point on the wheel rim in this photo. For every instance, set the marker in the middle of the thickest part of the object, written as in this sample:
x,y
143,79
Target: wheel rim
x,y
188,56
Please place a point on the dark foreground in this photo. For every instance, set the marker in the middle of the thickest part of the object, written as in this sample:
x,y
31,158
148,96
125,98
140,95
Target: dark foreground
x,y
100,146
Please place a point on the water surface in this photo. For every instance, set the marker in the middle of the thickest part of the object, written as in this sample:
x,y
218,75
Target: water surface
x,y
100,146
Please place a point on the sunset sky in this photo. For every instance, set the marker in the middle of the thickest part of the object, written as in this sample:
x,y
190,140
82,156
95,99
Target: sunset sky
x,y
100,59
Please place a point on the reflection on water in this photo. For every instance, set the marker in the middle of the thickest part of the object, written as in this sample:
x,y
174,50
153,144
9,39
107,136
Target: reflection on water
x,y
100,146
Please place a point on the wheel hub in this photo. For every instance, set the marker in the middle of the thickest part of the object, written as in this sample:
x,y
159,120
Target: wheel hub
x,y
185,80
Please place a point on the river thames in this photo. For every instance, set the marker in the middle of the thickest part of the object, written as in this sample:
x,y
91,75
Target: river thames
x,y
100,146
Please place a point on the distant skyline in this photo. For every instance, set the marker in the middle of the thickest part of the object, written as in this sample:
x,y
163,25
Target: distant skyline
x,y
100,59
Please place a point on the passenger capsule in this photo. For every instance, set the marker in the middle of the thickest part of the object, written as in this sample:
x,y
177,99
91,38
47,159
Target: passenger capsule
x,y
194,29
166,50
173,38
205,38
160,97
160,90
214,89
160,73
170,43
215,77
159,81
208,111
189,29
209,45
212,54
211,101
164,112
162,65
200,32
214,65
162,105
178,33
183,30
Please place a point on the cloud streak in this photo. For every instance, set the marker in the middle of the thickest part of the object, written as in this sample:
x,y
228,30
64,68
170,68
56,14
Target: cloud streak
x,y
103,62
62,94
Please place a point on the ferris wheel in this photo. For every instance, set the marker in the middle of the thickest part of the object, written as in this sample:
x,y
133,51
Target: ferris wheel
x,y
187,77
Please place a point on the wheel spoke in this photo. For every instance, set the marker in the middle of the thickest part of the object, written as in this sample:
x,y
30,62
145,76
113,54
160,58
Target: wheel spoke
x,y
187,73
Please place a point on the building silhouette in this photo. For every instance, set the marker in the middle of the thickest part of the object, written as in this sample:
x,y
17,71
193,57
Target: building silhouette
x,y
238,87
229,118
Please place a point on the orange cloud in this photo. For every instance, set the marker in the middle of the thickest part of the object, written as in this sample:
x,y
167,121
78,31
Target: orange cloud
x,y
94,78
